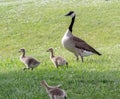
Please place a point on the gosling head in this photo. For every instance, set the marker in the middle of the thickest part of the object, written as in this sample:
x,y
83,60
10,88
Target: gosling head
x,y
43,83
70,13
22,50
50,50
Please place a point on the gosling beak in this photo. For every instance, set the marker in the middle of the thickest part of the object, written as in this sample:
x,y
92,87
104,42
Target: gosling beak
x,y
47,50
19,51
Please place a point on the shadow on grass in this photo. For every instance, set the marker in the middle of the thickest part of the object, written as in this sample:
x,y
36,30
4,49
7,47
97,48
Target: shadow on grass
x,y
26,84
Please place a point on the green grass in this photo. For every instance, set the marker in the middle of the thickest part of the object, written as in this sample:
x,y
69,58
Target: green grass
x,y
37,25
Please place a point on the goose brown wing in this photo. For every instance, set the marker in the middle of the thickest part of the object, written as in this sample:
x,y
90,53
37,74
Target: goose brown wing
x,y
56,91
31,61
79,43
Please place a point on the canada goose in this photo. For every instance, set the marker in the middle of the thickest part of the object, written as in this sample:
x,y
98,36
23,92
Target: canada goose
x,y
57,60
54,92
75,44
30,62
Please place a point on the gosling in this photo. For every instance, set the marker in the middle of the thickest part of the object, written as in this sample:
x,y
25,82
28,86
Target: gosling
x,y
54,92
57,60
29,62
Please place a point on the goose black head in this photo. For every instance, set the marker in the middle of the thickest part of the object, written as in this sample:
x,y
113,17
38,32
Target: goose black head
x,y
70,13
22,50
50,50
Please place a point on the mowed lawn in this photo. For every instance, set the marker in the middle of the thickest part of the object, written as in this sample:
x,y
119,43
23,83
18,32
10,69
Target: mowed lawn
x,y
37,25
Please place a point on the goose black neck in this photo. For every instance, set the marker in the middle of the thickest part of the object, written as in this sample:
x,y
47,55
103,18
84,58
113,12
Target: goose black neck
x,y
71,24
23,54
52,54
47,86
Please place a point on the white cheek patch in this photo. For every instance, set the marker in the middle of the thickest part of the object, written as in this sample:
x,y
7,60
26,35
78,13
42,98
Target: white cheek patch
x,y
72,15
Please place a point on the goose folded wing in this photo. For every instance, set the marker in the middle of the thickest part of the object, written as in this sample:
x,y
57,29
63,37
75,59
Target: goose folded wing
x,y
56,91
79,43
32,61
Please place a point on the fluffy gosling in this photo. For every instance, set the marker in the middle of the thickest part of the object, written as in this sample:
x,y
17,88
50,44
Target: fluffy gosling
x,y
57,60
30,62
54,92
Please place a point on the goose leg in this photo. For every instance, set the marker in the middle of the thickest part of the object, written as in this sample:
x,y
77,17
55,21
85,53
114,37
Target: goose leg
x,y
67,64
65,97
31,68
24,68
82,58
56,64
53,97
77,58
28,68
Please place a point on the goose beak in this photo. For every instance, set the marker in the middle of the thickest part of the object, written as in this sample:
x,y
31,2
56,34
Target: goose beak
x,y
67,14
47,51
19,51
70,13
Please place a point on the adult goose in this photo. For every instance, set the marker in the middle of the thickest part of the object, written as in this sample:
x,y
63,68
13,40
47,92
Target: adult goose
x,y
57,60
30,62
54,92
74,44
